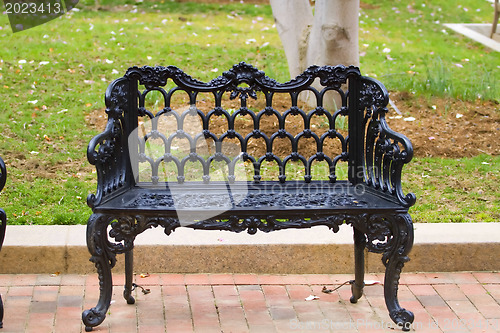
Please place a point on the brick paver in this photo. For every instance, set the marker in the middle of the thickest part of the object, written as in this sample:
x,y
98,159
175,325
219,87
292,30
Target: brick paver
x,y
442,302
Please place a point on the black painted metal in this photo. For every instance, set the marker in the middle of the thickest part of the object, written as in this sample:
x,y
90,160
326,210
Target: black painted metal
x,y
129,272
359,265
3,224
371,200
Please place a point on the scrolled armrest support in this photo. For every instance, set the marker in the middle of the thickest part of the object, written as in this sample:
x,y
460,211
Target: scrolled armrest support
x,y
106,153
400,152
100,148
386,151
107,150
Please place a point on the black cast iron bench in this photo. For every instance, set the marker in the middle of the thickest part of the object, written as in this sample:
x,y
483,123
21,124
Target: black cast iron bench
x,y
206,155
3,224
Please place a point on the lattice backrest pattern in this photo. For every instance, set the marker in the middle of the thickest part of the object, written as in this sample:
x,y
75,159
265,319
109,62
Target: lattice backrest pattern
x,y
239,121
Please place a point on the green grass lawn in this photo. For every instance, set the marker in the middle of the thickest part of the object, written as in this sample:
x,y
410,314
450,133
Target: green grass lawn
x,y
53,75
454,190
406,46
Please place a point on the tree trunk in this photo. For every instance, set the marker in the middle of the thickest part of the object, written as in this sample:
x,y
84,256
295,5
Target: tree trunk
x,y
334,35
294,20
330,37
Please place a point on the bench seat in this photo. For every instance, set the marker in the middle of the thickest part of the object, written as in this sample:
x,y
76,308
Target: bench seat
x,y
265,199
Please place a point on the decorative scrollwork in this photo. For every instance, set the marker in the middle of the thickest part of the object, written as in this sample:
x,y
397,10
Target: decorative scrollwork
x,y
372,94
125,229
335,76
386,233
100,247
382,231
251,224
92,318
150,76
330,76
117,98
403,318
402,233
379,233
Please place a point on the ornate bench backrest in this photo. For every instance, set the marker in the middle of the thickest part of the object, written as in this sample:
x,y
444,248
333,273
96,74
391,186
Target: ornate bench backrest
x,y
165,126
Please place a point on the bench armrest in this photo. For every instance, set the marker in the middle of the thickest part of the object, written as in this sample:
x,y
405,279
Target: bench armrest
x,y
107,150
386,151
3,174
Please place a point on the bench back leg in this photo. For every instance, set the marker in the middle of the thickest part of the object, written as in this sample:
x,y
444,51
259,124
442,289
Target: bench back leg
x,y
359,265
1,312
129,274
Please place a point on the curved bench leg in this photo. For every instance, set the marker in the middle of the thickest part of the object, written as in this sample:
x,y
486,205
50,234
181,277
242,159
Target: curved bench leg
x,y
129,275
104,259
3,225
394,260
359,265
1,312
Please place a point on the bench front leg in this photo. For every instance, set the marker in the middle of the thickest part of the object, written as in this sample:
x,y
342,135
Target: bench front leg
x,y
392,235
3,225
104,259
394,260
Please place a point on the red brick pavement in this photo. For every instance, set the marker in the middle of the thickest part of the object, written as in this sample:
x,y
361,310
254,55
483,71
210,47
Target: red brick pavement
x,y
442,302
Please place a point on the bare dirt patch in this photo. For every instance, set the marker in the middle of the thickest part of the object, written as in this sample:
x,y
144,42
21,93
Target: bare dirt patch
x,y
35,167
448,128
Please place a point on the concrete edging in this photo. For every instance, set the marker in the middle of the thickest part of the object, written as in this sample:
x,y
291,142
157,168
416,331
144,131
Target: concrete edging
x,y
478,32
438,247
